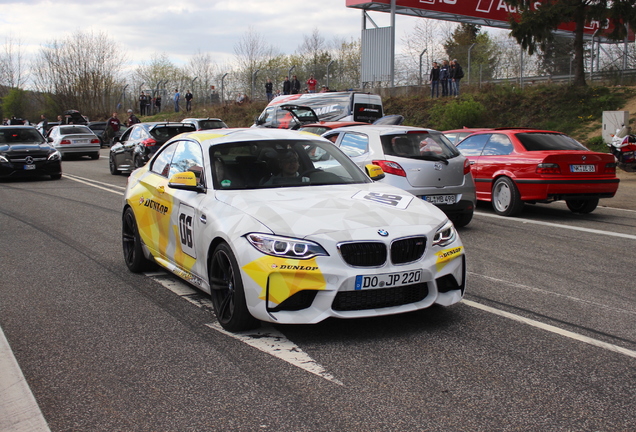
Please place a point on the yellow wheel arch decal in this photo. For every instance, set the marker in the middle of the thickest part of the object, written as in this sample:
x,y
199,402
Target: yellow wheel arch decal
x,y
286,277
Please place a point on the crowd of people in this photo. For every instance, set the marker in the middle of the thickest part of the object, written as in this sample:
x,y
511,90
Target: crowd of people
x,y
446,75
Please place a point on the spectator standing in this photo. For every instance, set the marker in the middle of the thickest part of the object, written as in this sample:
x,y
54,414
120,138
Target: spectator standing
x,y
60,119
311,84
434,79
286,86
45,124
444,76
132,118
158,102
188,98
175,99
143,103
295,85
457,73
113,125
240,99
269,90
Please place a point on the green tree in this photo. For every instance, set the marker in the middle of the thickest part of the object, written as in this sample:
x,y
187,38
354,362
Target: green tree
x,y
484,51
15,103
535,25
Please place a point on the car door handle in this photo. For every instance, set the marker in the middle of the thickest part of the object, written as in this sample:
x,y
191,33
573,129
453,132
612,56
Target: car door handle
x,y
472,162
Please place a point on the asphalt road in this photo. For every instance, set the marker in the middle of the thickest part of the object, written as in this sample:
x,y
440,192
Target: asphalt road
x,y
544,341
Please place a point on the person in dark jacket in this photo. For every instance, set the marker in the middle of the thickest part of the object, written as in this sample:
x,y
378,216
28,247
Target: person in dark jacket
x,y
434,79
269,90
457,73
295,85
444,76
286,86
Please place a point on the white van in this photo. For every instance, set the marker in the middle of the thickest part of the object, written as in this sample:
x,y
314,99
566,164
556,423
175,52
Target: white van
x,y
330,106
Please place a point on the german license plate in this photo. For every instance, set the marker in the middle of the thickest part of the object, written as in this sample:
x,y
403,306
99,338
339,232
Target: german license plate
x,y
388,280
84,141
29,167
582,168
440,199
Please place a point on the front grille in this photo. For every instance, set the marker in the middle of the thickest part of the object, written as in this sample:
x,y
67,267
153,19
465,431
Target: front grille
x,y
407,250
370,254
379,298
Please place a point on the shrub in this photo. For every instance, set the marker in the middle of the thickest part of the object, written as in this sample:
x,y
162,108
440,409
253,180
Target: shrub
x,y
457,114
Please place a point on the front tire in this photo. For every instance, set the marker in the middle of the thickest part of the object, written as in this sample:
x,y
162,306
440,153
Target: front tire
x,y
583,206
506,199
227,292
131,242
113,166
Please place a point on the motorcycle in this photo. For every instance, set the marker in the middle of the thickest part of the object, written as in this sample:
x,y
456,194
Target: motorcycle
x,y
623,147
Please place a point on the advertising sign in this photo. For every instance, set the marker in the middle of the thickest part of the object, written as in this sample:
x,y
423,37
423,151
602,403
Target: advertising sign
x,y
493,13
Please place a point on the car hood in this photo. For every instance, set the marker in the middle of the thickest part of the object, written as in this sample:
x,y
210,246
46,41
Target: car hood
x,y
30,148
336,211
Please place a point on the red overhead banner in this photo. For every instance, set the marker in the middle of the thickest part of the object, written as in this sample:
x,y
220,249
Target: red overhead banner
x,y
484,11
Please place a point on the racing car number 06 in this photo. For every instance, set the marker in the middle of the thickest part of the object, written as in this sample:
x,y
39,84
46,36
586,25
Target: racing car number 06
x,y
388,280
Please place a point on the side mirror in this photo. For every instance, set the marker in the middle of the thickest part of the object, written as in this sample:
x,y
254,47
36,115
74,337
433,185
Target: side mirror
x,y
49,139
185,181
374,172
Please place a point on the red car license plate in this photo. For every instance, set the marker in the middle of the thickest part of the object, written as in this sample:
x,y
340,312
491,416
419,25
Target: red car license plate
x,y
583,168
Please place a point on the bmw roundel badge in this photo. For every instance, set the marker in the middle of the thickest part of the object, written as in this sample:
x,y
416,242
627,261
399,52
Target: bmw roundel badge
x,y
383,233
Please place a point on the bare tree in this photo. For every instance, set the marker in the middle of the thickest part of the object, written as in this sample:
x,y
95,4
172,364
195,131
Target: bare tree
x,y
12,65
160,76
81,72
251,53
204,70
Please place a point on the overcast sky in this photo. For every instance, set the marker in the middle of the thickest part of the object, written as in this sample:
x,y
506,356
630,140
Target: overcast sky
x,y
181,28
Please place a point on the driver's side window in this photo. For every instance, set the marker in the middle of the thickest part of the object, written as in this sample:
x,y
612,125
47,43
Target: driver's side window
x,y
188,157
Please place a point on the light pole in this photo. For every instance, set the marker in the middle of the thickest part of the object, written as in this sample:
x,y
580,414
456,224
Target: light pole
x,y
423,52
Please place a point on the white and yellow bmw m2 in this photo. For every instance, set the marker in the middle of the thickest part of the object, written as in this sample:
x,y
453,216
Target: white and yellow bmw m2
x,y
281,226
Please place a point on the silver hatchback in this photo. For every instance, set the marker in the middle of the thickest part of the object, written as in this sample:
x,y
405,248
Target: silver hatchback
x,y
419,160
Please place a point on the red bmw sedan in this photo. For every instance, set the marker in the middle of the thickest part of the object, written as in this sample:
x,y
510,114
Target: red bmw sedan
x,y
512,167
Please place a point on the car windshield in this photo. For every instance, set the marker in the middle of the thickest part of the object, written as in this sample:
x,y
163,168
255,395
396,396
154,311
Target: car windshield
x,y
98,126
70,130
285,163
541,141
211,124
10,135
165,132
419,145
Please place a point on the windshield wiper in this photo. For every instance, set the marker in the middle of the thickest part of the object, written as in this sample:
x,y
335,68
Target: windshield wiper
x,y
432,157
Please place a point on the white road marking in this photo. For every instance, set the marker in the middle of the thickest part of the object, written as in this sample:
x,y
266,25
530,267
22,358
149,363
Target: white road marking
x,y
275,343
570,227
265,339
92,183
546,292
19,411
552,329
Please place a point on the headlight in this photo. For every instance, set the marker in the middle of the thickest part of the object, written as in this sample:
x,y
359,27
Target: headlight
x,y
285,247
54,156
3,159
445,235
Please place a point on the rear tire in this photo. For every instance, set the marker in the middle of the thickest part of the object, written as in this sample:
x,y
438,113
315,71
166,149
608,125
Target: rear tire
x,y
584,206
463,219
506,200
131,242
56,176
227,292
95,156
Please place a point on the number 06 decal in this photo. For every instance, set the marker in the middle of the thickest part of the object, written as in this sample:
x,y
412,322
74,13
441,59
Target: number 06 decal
x,y
186,230
392,200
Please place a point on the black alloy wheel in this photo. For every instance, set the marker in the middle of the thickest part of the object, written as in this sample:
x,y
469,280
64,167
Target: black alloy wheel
x,y
226,290
131,242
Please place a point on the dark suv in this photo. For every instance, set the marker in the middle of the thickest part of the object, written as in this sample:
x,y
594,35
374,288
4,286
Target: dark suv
x,y
25,152
139,142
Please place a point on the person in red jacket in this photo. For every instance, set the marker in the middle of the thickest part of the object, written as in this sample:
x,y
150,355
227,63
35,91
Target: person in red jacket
x,y
311,84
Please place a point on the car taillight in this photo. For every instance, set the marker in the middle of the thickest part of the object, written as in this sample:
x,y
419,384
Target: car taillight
x,y
65,142
149,142
466,166
390,167
95,141
548,168
610,168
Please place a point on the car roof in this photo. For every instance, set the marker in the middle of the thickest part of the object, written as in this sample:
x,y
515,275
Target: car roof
x,y
335,124
513,130
18,126
199,119
220,136
384,129
471,130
